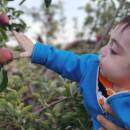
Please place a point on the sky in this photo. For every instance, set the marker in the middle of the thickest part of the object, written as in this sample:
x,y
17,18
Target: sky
x,y
70,10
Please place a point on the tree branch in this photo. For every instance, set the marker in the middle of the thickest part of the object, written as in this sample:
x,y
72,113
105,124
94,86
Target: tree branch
x,y
61,99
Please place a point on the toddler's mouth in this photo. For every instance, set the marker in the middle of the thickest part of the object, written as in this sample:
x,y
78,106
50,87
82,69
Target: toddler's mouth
x,y
101,69
100,65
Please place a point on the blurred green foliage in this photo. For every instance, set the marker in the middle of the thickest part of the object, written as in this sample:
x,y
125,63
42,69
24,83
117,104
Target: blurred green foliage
x,y
15,22
36,100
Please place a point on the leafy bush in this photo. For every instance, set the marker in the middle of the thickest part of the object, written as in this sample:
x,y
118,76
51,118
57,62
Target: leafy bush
x,y
33,101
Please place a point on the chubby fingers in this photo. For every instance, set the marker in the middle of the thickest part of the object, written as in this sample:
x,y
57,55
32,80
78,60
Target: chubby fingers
x,y
108,125
105,123
20,39
102,129
17,36
23,41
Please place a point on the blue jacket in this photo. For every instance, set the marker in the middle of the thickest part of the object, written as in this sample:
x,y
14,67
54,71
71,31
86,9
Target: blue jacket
x,y
84,70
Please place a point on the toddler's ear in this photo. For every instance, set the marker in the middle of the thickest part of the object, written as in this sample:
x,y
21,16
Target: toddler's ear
x,y
108,108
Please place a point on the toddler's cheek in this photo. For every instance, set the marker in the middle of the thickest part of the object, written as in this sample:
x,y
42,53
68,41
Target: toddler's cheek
x,y
107,70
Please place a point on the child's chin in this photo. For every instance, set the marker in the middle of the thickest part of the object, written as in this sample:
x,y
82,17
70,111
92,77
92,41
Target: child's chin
x,y
101,71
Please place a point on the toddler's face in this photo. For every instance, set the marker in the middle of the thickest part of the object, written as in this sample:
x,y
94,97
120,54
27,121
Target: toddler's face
x,y
115,57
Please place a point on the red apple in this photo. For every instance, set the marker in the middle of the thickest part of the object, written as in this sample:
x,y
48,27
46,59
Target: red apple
x,y
4,19
6,55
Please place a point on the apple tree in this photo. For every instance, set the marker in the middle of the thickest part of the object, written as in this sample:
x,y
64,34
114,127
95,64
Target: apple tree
x,y
9,20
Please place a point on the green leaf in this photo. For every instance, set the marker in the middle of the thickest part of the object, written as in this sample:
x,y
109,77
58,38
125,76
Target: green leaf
x,y
67,87
17,27
88,8
3,33
69,116
89,20
27,109
46,125
3,79
2,129
18,13
58,108
47,3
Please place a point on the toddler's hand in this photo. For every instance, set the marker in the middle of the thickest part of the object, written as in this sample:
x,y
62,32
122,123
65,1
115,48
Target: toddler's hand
x,y
25,43
108,125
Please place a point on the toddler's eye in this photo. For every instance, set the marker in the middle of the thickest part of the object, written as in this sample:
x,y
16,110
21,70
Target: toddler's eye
x,y
113,52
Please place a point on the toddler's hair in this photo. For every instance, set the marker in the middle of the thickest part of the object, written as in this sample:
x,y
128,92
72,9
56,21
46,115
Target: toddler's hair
x,y
125,20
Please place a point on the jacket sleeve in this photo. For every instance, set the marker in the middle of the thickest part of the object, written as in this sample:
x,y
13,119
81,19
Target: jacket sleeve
x,y
65,63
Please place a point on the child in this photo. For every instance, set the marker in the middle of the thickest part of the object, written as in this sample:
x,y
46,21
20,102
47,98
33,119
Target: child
x,y
101,80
